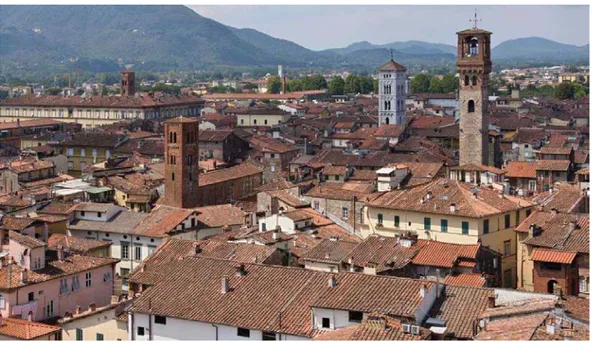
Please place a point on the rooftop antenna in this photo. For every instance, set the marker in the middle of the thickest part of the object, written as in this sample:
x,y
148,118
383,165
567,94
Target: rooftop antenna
x,y
475,19
391,51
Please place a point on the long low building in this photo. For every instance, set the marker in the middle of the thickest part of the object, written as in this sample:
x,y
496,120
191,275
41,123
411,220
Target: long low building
x,y
97,110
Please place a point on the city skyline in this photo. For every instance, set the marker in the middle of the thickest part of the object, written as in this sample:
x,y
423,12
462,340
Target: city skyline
x,y
558,23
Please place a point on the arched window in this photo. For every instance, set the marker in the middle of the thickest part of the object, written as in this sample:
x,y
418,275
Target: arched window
x,y
172,176
174,137
387,121
466,81
473,46
474,80
471,106
552,284
170,137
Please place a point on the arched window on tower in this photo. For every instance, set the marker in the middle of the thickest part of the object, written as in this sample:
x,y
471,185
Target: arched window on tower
x,y
473,46
387,121
471,106
474,80
466,80
170,137
174,137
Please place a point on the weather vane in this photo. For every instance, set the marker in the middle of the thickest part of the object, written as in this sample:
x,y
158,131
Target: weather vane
x,y
475,19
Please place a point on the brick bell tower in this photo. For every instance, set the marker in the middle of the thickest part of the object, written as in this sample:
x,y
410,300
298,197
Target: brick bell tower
x,y
181,162
128,82
474,67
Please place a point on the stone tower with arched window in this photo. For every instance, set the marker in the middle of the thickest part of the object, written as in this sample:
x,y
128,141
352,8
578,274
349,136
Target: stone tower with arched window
x,y
474,67
392,94
181,162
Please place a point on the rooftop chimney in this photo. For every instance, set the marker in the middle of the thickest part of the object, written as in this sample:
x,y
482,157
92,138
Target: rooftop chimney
x,y
423,291
78,310
60,252
452,208
332,281
492,300
275,235
554,211
30,316
225,285
92,307
24,276
534,230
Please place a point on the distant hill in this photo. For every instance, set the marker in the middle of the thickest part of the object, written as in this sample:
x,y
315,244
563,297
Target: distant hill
x,y
538,48
162,38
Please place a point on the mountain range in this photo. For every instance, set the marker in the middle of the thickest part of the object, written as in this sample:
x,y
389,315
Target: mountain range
x,y
158,38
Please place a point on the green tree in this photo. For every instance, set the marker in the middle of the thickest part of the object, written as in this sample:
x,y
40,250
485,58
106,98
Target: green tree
x,y
450,83
294,85
420,83
565,90
53,91
351,84
436,86
3,94
336,85
375,86
319,82
274,85
365,84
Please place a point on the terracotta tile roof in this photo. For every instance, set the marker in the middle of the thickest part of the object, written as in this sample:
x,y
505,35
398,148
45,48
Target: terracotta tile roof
x,y
173,250
75,245
216,135
581,157
29,123
577,307
583,171
25,240
441,254
375,328
334,231
161,221
16,223
22,329
95,207
389,131
556,231
363,175
30,165
382,252
328,251
147,147
266,143
392,65
528,306
564,198
431,122
277,184
47,181
550,255
221,215
54,268
123,222
445,192
512,329
218,176
258,96
266,238
298,215
477,167
466,279
335,170
360,134
553,165
521,169
555,150
288,198
460,307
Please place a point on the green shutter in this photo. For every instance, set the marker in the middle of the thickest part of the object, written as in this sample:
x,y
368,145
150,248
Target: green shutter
x,y
444,225
380,218
486,226
396,221
427,223
79,334
100,337
464,227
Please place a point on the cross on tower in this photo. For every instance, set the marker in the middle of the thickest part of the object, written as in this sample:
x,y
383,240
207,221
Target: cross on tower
x,y
475,19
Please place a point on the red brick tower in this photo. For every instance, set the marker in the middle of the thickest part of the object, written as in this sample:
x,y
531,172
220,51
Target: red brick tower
x,y
128,83
181,162
474,67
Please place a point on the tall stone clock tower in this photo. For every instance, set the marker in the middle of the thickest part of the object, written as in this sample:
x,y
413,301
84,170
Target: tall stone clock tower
x,y
474,67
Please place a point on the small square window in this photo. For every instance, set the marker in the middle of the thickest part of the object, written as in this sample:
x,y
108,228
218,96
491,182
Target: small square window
x,y
243,332
140,331
355,316
160,319
325,323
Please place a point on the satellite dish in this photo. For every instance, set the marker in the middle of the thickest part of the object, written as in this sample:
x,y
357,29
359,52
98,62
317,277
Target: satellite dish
x,y
129,66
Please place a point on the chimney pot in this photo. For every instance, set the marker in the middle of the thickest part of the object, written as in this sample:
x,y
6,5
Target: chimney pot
x,y
240,270
92,307
225,285
30,316
332,281
60,252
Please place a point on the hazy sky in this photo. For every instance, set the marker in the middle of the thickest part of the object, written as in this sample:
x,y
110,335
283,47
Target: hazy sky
x,y
321,27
